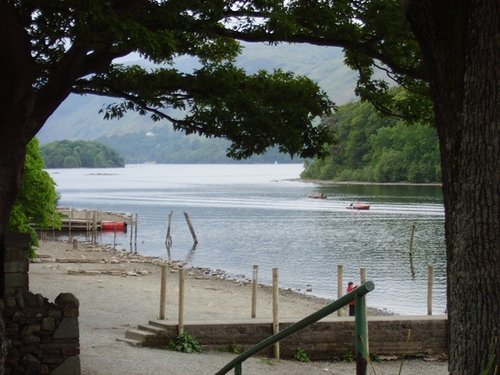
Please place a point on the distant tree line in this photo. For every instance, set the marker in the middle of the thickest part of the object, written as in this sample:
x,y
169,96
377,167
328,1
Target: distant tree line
x,y
163,145
80,154
369,147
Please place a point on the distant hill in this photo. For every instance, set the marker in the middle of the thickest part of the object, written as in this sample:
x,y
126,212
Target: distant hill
x,y
78,118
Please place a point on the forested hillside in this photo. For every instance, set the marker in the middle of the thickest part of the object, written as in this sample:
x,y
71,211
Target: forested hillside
x,y
68,154
163,145
372,148
138,139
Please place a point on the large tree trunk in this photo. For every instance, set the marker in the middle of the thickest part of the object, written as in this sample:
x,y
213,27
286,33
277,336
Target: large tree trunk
x,y
11,168
459,41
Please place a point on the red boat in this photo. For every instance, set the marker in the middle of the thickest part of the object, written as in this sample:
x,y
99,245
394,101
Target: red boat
x,y
117,226
359,206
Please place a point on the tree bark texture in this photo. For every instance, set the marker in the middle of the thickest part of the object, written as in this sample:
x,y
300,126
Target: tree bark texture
x,y
11,168
459,41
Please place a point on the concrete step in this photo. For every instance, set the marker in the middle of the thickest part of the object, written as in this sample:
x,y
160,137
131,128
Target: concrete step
x,y
161,324
130,341
138,334
150,328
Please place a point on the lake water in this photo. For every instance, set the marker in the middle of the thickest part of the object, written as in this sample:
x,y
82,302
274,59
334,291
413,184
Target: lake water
x,y
254,214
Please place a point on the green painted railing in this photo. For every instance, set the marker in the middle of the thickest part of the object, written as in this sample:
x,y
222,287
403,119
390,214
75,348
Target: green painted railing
x,y
360,331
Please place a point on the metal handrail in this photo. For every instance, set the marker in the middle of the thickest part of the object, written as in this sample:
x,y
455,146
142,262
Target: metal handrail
x,y
360,330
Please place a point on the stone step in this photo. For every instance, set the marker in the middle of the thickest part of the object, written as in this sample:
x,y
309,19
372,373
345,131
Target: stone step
x,y
130,341
150,328
138,334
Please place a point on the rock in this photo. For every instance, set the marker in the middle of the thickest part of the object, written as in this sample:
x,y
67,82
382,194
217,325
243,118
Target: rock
x,y
67,301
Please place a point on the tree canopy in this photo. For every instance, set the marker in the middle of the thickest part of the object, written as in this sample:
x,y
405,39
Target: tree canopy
x,y
37,200
77,154
369,147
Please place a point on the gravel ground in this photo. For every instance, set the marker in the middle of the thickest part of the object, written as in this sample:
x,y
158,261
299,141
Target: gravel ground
x,y
109,305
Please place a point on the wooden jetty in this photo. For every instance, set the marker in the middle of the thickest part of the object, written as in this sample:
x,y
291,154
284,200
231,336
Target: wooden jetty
x,y
91,220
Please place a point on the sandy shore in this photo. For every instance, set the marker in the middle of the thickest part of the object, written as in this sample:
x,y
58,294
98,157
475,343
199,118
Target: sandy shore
x,y
118,290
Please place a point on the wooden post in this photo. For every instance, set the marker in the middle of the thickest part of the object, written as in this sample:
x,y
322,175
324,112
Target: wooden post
x,y
135,235
430,272
87,225
181,302
195,240
69,224
412,269
340,285
163,290
131,230
362,275
362,279
276,324
168,238
254,290
94,226
114,240
75,244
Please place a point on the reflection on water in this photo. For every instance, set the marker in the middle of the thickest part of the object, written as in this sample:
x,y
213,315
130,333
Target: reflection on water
x,y
250,214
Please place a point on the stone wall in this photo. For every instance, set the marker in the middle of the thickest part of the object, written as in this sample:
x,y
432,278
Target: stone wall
x,y
42,337
330,338
16,264
39,337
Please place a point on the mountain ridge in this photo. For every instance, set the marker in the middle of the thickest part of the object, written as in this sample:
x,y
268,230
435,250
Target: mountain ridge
x,y
78,117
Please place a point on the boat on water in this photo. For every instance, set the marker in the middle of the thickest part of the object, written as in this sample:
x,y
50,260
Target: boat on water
x,y
359,206
118,226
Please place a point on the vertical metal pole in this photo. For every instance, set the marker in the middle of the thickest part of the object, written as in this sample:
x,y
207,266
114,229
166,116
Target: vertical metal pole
x,y
276,324
361,336
254,290
163,290
237,369
340,285
430,272
181,301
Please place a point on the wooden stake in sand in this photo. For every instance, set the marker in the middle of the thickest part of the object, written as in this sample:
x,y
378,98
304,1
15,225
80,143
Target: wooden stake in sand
x,y
168,237
340,288
135,235
430,271
131,230
163,290
181,302
276,324
191,229
412,269
69,224
362,278
254,290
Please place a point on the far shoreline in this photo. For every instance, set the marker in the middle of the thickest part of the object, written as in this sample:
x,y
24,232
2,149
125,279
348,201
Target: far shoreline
x,y
369,183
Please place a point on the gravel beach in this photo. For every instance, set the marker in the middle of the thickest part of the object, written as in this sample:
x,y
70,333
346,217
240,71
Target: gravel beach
x,y
118,290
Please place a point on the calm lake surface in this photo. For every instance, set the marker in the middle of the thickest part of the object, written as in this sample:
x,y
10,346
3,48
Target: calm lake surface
x,y
254,214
